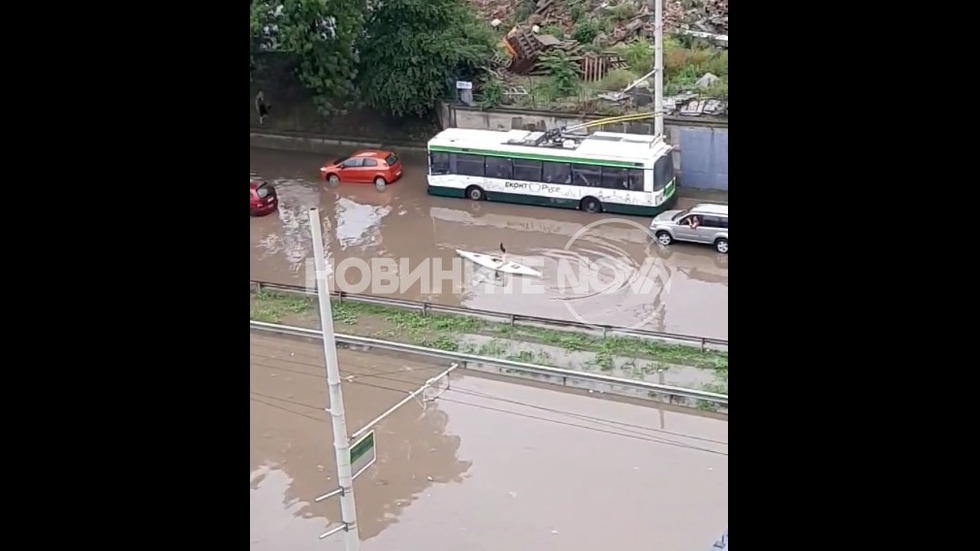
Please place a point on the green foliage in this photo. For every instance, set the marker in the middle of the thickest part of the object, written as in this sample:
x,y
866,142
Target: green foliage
x,y
492,94
525,9
585,32
638,54
412,48
563,73
607,25
576,11
683,66
623,12
321,34
719,89
554,30
616,80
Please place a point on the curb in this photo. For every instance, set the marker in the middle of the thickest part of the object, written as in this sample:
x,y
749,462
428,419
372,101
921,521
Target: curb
x,y
314,143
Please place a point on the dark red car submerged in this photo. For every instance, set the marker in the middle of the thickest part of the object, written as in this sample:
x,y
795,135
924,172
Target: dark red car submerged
x,y
262,198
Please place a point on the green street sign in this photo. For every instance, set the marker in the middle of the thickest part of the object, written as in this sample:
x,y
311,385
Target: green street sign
x,y
363,454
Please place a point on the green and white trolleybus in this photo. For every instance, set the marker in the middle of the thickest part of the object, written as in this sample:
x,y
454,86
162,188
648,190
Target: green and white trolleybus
x,y
601,172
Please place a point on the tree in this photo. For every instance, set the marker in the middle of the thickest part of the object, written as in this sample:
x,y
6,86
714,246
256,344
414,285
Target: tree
x,y
321,34
411,49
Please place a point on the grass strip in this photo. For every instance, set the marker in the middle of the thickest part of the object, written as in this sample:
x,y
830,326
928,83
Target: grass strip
x,y
444,332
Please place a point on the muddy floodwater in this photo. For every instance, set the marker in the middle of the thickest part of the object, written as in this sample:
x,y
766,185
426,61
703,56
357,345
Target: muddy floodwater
x,y
601,269
488,466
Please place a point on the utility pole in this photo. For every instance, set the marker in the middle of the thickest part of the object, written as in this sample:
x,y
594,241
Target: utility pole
x,y
658,67
341,443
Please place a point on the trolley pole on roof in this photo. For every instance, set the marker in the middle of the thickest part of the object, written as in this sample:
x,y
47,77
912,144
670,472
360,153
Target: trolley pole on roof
x,y
341,442
658,67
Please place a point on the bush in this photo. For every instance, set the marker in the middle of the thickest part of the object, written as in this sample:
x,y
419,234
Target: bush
x,y
585,32
718,90
623,12
553,30
684,66
638,54
616,80
563,73
492,94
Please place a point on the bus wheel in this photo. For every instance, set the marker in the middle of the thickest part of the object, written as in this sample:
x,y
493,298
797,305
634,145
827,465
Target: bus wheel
x,y
474,193
591,204
721,245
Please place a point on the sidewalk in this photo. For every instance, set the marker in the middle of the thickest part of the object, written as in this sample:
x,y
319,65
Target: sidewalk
x,y
688,197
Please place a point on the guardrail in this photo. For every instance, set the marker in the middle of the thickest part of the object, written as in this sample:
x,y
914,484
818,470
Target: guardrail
x,y
425,308
466,360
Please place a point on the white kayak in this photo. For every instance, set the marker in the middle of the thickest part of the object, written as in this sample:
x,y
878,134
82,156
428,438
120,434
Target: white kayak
x,y
495,263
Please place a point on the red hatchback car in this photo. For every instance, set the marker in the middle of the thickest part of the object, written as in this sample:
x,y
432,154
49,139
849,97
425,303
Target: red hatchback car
x,y
364,167
262,198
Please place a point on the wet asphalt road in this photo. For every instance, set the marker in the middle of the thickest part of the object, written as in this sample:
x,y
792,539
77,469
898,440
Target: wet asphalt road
x,y
680,289
490,465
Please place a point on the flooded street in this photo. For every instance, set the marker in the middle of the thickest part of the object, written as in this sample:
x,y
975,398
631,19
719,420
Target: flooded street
x,y
489,465
680,289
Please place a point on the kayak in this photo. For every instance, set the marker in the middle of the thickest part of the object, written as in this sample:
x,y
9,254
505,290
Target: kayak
x,y
495,263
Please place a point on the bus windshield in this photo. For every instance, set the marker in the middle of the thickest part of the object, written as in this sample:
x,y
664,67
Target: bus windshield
x,y
663,172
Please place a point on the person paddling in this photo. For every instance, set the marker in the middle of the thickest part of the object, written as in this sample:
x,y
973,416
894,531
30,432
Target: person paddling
x,y
501,260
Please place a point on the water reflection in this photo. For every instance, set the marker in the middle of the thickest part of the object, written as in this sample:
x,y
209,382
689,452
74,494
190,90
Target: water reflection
x,y
289,434
358,224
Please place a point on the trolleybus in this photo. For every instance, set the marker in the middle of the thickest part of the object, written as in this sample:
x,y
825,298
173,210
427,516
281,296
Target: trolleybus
x,y
630,174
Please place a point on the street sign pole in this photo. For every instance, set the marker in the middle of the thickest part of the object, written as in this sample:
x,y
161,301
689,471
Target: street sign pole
x,y
341,443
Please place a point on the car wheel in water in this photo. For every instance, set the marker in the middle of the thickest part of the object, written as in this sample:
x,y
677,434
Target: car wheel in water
x,y
379,183
721,245
664,238
333,180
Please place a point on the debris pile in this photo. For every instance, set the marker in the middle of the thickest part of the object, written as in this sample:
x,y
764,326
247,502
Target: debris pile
x,y
706,19
527,49
614,22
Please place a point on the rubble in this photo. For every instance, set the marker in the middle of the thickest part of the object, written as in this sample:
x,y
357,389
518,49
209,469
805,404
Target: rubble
x,y
707,19
528,42
706,80
526,48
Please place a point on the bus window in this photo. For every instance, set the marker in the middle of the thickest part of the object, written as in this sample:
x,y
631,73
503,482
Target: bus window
x,y
438,163
663,172
586,175
614,178
527,170
499,167
557,173
469,165
635,179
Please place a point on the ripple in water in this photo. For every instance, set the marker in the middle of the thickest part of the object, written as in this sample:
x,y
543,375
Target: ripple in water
x,y
600,281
